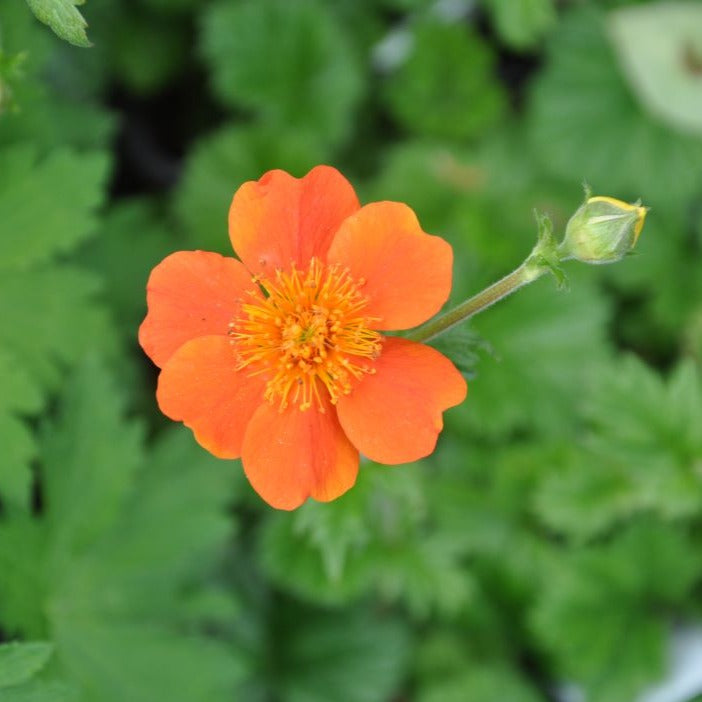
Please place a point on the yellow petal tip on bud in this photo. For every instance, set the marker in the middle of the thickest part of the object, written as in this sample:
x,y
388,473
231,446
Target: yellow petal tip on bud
x,y
603,230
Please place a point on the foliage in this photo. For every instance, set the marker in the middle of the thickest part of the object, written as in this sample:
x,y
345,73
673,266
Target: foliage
x,y
553,539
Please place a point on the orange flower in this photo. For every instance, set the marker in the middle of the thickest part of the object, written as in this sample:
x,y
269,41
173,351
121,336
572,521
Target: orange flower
x,y
279,358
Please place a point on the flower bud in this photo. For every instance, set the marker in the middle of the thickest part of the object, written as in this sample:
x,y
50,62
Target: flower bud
x,y
603,230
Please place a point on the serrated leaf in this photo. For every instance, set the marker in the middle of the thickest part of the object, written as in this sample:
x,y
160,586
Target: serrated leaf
x,y
545,347
122,544
644,452
289,62
87,476
18,450
659,46
606,594
462,345
21,661
20,393
63,18
23,576
47,207
445,89
49,317
372,555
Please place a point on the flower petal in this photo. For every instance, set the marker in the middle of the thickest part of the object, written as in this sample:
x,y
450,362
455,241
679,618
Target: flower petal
x,y
291,455
279,219
190,294
407,272
394,416
200,386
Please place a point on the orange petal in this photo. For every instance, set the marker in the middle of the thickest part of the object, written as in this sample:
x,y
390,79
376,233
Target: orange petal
x,y
190,294
279,219
291,455
394,416
200,386
407,272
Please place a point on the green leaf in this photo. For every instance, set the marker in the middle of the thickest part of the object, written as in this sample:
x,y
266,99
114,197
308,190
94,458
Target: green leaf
x,y
667,248
21,661
124,543
644,453
39,691
132,240
288,62
21,394
23,579
585,124
522,23
222,162
461,344
49,319
334,553
445,88
349,656
611,595
87,478
482,683
63,18
660,46
47,207
546,347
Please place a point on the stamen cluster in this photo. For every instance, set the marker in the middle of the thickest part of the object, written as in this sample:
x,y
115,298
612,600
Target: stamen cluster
x,y
308,334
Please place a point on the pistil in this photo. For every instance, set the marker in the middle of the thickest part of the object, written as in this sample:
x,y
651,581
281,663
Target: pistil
x,y
307,334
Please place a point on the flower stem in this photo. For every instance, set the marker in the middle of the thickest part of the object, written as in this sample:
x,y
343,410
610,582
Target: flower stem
x,y
526,273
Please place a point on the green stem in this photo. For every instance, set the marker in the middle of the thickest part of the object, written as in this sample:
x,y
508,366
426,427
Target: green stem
x,y
526,273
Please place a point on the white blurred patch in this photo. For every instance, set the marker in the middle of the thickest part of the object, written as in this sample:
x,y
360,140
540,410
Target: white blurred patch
x,y
395,47
684,679
685,665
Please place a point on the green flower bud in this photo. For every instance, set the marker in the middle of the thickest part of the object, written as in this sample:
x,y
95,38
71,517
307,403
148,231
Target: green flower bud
x,y
603,230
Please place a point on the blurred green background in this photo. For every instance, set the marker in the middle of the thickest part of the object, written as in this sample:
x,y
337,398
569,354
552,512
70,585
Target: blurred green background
x,y
550,550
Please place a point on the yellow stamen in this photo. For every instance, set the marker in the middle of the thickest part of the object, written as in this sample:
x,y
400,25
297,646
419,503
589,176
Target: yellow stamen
x,y
308,334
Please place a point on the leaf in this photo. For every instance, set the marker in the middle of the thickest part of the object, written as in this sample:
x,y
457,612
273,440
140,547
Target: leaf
x,y
23,579
335,553
39,691
545,347
87,476
47,207
658,46
223,161
643,455
49,319
21,661
610,595
347,656
132,240
585,124
522,23
54,111
481,683
461,345
63,18
20,393
124,543
288,62
445,89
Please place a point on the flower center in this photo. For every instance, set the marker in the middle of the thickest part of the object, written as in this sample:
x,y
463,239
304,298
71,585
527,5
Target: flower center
x,y
308,334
